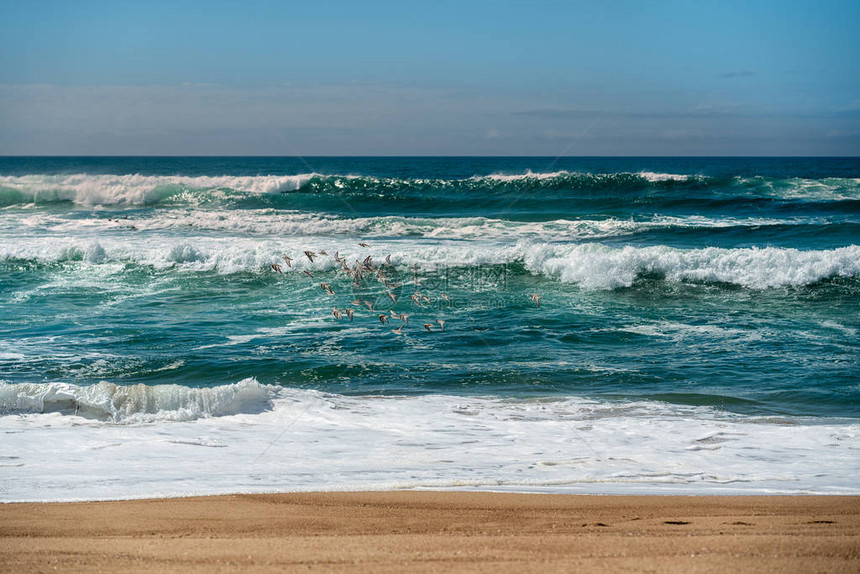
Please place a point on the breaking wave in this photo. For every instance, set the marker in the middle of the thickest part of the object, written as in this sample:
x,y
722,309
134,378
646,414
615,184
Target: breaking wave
x,y
136,189
136,403
590,265
595,266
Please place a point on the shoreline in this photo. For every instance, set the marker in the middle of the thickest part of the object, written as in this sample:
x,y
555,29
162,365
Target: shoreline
x,y
435,531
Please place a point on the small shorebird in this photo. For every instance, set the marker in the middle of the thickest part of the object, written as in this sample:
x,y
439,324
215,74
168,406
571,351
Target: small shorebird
x,y
404,317
355,302
310,255
369,305
415,299
363,245
536,298
393,296
388,259
398,330
325,287
277,268
337,257
287,259
428,326
349,313
383,319
337,314
321,253
441,323
309,274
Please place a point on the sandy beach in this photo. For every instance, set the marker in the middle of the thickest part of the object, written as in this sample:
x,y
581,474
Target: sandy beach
x,y
436,532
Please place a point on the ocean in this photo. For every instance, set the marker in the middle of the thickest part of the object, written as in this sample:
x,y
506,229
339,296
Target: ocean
x,y
569,325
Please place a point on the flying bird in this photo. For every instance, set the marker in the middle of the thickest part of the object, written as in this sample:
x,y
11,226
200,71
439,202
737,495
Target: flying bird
x,y
536,298
288,260
363,245
277,268
310,255
398,330
308,273
428,326
441,323
383,319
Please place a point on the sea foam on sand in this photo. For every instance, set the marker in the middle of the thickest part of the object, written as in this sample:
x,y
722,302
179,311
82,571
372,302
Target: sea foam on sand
x,y
248,437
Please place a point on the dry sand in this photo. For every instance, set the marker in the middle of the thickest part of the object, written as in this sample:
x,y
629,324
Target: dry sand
x,y
436,532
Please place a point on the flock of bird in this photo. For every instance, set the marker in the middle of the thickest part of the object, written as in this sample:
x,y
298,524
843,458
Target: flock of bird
x,y
366,268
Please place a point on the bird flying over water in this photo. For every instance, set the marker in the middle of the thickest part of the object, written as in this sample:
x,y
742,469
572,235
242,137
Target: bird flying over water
x,y
441,323
310,255
536,298
308,273
363,245
277,268
288,260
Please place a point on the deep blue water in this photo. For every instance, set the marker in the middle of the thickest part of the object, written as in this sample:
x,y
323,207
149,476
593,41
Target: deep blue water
x,y
730,282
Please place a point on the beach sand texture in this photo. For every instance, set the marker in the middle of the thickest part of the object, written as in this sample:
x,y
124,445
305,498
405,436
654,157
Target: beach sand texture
x,y
436,532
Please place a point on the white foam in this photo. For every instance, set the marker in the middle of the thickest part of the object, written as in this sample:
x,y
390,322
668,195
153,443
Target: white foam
x,y
306,440
657,177
595,266
291,223
135,403
135,189
590,265
525,176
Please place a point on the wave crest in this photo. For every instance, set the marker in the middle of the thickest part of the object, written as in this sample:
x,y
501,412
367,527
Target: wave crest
x,y
136,189
595,266
137,403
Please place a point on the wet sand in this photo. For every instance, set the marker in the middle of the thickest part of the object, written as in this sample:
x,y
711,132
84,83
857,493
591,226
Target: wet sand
x,y
436,532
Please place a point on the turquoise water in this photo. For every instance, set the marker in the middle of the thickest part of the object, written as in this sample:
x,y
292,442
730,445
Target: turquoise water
x,y
732,283
163,333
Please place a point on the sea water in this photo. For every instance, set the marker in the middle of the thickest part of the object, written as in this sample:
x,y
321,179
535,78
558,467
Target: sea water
x,y
695,325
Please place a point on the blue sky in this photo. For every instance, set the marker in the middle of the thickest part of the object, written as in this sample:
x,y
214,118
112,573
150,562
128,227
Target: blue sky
x,y
429,78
